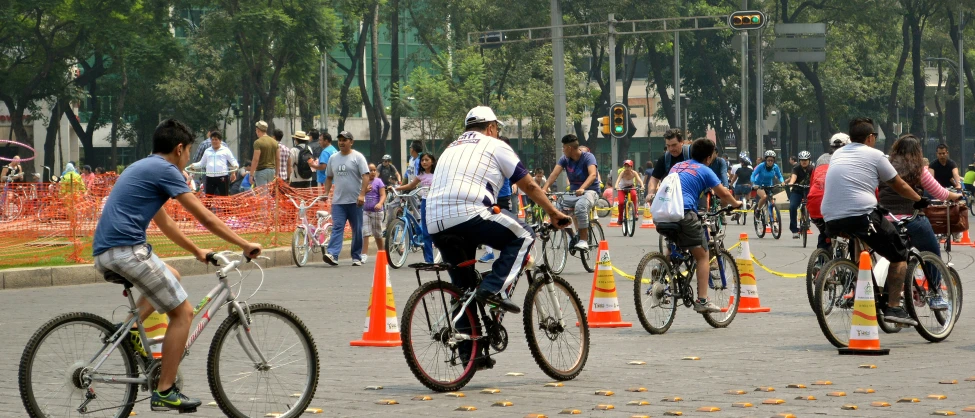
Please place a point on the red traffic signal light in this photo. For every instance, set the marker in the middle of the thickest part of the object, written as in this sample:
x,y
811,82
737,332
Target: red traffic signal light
x,y
747,20
618,118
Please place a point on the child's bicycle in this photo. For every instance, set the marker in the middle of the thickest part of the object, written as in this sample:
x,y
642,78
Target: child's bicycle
x,y
262,360
448,335
310,238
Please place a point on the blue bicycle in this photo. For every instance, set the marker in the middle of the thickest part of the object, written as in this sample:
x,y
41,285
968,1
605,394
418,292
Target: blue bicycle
x,y
403,234
768,217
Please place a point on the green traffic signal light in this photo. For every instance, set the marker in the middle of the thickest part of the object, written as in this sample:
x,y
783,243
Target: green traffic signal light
x,y
755,19
619,129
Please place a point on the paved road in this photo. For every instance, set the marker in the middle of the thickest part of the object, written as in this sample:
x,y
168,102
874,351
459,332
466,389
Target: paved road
x,y
774,349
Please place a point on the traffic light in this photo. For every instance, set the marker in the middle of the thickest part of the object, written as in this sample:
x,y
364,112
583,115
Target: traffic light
x,y
619,116
604,125
746,20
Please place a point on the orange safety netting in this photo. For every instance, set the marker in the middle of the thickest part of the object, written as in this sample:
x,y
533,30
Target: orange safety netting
x,y
53,223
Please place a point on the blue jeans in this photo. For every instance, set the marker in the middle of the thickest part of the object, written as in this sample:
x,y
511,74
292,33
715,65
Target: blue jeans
x,y
795,199
427,241
340,214
922,238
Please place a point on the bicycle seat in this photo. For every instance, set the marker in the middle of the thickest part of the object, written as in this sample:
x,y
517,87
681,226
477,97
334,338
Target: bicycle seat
x,y
322,214
670,230
113,277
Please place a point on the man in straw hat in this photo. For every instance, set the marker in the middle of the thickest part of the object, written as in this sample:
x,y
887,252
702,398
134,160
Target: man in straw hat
x,y
301,172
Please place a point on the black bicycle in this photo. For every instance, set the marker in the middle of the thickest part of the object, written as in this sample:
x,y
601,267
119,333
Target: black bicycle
x,y
448,335
768,216
804,222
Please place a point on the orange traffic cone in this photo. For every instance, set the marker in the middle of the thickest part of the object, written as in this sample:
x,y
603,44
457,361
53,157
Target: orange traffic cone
x,y
749,287
382,327
647,220
964,238
155,326
614,216
521,208
604,306
864,333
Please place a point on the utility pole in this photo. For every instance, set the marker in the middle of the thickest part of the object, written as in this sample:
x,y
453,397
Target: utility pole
x,y
612,89
558,79
961,85
759,96
677,82
744,85
323,96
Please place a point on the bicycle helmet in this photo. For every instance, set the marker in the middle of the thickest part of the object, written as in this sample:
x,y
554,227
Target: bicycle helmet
x,y
743,155
769,153
387,157
805,155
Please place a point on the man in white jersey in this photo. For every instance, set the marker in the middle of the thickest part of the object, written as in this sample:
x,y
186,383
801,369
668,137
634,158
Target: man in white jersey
x,y
460,207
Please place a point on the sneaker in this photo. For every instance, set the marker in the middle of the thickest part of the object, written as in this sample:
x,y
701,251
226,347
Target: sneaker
x,y
581,246
795,236
329,259
705,307
173,401
488,256
495,299
937,303
898,315
363,258
135,340
356,263
484,363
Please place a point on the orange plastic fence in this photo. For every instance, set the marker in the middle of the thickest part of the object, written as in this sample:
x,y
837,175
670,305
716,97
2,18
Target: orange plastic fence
x,y
51,223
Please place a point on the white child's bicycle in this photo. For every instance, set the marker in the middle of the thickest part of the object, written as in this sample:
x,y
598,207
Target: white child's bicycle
x,y
310,238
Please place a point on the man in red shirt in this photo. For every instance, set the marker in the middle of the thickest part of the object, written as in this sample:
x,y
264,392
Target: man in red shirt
x,y
817,184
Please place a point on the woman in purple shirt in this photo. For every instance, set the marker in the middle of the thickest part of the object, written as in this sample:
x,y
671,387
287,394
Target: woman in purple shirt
x,y
373,212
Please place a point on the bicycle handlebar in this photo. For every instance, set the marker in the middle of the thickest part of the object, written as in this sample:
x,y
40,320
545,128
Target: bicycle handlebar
x,y
310,204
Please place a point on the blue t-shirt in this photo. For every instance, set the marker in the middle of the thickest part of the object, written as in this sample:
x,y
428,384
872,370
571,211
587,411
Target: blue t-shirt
x,y
720,168
142,189
764,176
323,159
695,178
578,171
505,189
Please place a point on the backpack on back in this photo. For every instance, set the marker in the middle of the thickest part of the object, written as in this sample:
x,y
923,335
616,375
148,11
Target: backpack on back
x,y
668,205
301,166
667,157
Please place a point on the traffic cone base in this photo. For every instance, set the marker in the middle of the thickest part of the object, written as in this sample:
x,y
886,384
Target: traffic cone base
x,y
965,239
750,302
604,305
864,332
381,327
647,220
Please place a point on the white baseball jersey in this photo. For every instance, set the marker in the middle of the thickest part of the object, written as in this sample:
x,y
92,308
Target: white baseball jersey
x,y
467,179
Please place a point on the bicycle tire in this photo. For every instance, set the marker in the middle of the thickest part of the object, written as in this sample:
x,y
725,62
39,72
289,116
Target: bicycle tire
x,y
552,331
834,310
656,286
299,246
804,225
632,213
817,260
281,403
932,326
730,291
72,365
416,307
11,207
661,244
960,292
776,222
759,221
601,202
595,236
398,243
555,251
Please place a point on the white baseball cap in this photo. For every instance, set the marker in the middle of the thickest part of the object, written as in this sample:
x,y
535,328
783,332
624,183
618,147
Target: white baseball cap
x,y
839,139
481,114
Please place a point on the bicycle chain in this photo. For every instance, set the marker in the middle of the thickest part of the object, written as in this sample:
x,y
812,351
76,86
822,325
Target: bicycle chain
x,y
117,406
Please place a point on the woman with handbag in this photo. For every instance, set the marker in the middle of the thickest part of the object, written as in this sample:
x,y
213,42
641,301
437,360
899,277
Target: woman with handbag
x,y
906,157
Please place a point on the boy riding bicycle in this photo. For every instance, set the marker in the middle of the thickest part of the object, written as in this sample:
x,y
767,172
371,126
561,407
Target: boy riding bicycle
x,y
120,246
695,179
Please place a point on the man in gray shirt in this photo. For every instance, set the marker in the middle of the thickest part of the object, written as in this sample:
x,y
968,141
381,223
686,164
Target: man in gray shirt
x,y
349,171
850,207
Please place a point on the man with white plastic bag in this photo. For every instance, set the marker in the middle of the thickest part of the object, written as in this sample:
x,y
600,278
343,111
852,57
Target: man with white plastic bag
x,y
681,189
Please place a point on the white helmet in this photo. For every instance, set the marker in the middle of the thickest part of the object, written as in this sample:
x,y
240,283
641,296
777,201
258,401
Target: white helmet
x,y
769,153
805,155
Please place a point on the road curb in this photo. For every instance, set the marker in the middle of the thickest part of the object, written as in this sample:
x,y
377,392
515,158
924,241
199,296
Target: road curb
x,y
31,277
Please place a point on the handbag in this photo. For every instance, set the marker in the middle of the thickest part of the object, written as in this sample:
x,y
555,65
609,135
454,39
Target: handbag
x,y
940,215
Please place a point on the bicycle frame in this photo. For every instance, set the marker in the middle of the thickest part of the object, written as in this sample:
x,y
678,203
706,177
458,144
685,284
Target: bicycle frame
x,y
311,238
678,255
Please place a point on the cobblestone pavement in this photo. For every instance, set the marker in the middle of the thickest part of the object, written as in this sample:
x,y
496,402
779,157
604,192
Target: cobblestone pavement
x,y
777,349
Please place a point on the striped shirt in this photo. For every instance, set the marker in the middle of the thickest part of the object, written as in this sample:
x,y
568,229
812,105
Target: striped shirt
x,y
283,157
467,179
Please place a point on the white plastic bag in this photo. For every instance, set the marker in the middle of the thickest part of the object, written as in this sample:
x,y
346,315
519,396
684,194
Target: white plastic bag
x,y
668,205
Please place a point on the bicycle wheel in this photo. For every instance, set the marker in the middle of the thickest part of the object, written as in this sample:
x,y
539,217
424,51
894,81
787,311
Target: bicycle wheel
x,y
555,250
398,243
817,260
11,207
727,293
625,221
433,357
653,296
759,220
595,236
804,225
603,207
661,244
631,212
933,325
836,285
236,376
55,362
299,246
559,346
776,222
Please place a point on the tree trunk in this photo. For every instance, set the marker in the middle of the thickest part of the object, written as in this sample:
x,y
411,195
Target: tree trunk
x,y
50,140
350,75
395,82
953,134
371,116
917,118
117,117
892,102
378,144
246,146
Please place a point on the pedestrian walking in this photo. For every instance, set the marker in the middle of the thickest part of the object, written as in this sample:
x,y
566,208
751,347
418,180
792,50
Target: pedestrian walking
x,y
320,163
265,160
349,171
284,157
301,172
373,212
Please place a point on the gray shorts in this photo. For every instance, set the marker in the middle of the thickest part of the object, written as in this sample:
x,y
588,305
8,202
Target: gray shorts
x,y
580,205
263,177
372,225
147,272
691,235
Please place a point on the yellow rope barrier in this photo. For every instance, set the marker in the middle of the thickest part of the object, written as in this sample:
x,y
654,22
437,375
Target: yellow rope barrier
x,y
777,273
